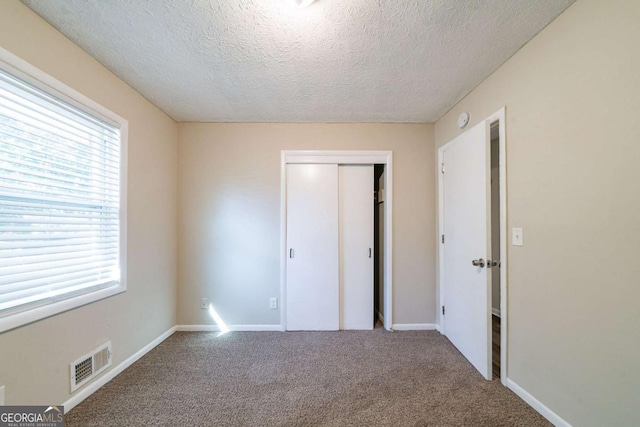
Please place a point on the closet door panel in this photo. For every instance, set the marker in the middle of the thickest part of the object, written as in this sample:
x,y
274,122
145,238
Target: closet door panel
x,y
356,205
312,281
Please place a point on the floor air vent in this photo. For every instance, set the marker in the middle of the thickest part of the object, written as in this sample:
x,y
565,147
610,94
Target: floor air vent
x,y
89,366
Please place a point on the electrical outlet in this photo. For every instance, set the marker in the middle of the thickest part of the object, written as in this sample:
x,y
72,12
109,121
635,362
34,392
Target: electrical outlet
x,y
273,303
2,396
204,304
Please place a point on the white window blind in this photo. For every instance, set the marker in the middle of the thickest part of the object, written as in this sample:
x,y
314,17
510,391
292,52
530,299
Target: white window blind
x,y
59,199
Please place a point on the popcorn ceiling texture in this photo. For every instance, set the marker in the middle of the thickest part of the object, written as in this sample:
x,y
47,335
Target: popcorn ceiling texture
x,y
335,61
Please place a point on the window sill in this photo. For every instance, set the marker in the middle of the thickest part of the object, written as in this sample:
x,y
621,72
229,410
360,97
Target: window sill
x,y
17,320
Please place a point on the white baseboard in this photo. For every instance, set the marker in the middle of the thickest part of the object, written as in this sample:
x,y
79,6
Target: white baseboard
x,y
537,405
495,312
91,388
216,328
414,326
439,327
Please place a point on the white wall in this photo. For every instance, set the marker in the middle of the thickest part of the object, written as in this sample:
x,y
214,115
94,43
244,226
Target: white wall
x,y
229,214
34,359
573,131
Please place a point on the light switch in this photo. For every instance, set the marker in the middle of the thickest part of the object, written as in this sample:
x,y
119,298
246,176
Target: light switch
x,y
517,238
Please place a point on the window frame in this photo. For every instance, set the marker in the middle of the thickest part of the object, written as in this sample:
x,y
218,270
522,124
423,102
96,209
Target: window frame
x,y
41,80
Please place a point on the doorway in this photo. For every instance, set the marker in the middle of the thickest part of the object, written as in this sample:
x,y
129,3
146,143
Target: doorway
x,y
342,158
472,251
495,249
378,243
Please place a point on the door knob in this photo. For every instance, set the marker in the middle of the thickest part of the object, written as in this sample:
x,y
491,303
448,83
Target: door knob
x,y
493,263
478,262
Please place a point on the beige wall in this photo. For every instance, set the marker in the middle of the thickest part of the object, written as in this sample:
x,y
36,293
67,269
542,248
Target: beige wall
x,y
573,146
229,214
34,359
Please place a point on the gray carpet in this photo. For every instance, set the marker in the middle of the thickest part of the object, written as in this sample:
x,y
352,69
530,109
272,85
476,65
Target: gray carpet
x,y
347,378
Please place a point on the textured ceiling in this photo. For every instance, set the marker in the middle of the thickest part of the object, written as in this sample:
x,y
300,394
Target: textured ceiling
x,y
335,61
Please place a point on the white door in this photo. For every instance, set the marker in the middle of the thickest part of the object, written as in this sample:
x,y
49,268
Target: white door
x,y
356,246
467,231
312,247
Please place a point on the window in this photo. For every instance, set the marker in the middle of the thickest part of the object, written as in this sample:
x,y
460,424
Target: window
x,y
61,197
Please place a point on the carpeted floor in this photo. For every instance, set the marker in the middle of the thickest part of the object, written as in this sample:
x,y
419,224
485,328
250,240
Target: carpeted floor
x,y
347,378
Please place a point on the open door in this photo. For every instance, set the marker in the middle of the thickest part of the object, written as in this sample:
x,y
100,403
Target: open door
x,y
466,245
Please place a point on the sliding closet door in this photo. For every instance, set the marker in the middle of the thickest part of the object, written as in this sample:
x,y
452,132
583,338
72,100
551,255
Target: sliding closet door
x,y
356,246
312,247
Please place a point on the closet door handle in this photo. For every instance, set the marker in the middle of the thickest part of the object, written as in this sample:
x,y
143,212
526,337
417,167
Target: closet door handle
x,y
290,253
369,252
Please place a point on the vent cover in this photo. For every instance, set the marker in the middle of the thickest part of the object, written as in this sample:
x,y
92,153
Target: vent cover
x,y
90,365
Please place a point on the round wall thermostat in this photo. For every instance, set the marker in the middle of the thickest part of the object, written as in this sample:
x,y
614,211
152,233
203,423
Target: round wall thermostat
x,y
463,120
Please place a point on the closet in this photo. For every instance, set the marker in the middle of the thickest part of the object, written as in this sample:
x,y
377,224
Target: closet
x,y
329,269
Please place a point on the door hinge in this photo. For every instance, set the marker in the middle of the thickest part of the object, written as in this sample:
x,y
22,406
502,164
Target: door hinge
x,y
443,238
442,168
443,310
